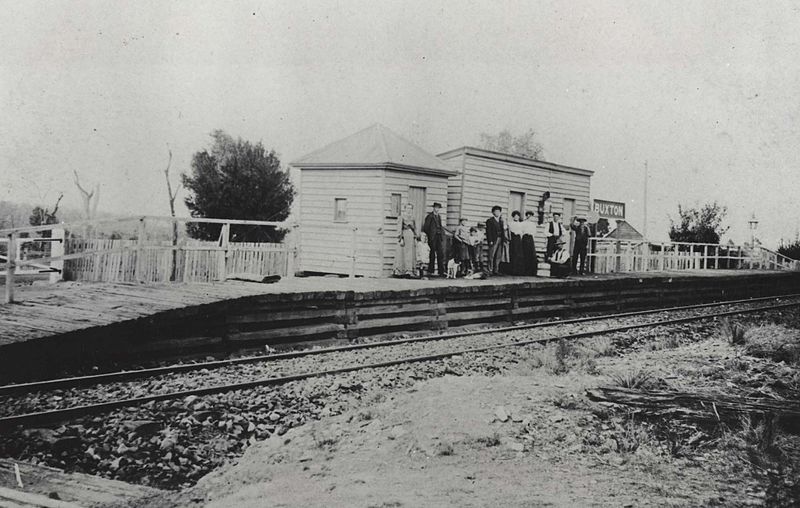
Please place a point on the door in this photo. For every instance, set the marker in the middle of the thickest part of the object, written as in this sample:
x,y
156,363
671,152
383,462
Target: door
x,y
416,196
516,202
566,217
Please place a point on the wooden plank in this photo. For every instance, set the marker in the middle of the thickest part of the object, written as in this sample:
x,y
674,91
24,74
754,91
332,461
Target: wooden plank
x,y
277,317
394,322
326,328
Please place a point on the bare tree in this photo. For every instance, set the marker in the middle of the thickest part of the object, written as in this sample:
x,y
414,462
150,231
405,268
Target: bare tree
x,y
90,199
171,196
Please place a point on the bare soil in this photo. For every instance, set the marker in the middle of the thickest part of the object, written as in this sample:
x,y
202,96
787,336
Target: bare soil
x,y
528,437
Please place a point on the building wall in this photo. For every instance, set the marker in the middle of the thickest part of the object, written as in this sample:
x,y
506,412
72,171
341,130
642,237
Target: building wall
x,y
486,182
326,245
398,182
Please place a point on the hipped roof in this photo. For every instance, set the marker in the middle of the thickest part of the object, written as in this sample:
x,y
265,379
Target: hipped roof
x,y
375,146
624,231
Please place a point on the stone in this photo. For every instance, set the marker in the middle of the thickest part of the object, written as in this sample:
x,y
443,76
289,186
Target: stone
x,y
515,446
500,414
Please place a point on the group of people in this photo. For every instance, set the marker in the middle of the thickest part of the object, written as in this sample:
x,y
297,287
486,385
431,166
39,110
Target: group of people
x,y
512,247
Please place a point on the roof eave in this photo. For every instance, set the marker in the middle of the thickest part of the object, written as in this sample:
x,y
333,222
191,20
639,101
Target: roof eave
x,y
489,154
371,165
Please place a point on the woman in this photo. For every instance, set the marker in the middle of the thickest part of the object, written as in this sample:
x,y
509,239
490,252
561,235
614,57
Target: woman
x,y
515,229
405,258
530,263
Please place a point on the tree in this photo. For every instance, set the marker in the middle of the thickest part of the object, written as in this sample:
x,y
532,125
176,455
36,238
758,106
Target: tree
x,y
524,145
237,179
790,250
171,197
90,198
43,216
702,225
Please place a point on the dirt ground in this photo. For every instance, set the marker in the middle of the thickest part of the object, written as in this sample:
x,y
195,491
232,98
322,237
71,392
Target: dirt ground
x,y
528,437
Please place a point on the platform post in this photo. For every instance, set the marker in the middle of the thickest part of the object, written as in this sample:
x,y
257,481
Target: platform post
x,y
353,252
11,267
225,236
716,257
138,275
57,249
291,252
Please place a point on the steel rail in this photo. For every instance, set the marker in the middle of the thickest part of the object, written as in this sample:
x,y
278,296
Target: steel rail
x,y
126,375
56,415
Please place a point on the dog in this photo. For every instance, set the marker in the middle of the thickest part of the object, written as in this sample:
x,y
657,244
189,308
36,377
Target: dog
x,y
452,269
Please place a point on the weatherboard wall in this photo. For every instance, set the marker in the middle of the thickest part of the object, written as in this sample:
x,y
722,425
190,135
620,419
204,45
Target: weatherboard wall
x,y
486,179
327,245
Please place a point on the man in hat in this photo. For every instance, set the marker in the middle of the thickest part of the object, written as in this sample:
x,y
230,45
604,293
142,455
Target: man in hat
x,y
582,234
435,231
496,238
555,232
559,260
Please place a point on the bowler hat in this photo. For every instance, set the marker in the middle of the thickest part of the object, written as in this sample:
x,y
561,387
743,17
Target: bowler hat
x,y
437,205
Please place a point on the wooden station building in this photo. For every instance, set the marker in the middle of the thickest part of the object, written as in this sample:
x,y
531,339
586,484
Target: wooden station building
x,y
351,193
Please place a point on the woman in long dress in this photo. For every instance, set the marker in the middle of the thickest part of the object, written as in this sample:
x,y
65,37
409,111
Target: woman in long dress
x,y
405,258
516,260
530,263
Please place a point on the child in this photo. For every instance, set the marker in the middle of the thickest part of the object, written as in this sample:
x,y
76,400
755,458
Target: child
x,y
423,253
461,247
475,240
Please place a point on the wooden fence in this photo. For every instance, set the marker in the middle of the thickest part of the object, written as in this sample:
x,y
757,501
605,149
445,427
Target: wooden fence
x,y
609,256
196,261
156,251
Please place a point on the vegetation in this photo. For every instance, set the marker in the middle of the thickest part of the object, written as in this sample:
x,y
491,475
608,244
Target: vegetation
x,y
524,145
703,225
237,179
791,250
637,379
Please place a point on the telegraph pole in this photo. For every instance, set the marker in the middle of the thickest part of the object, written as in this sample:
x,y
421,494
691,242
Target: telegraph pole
x,y
644,231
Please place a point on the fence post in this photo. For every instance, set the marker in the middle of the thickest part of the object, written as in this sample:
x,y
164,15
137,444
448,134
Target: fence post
x,y
292,250
57,249
618,256
353,252
10,267
138,275
225,236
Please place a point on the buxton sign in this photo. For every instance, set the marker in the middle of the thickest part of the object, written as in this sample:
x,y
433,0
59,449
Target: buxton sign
x,y
609,209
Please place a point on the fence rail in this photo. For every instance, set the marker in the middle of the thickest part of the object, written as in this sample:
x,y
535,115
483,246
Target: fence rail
x,y
154,252
608,256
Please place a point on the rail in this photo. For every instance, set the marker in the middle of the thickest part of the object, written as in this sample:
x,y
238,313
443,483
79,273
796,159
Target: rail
x,y
155,250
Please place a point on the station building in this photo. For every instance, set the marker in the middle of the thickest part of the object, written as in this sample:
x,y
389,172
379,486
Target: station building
x,y
351,193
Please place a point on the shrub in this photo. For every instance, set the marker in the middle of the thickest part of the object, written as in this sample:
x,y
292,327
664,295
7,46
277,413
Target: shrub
x,y
635,379
732,332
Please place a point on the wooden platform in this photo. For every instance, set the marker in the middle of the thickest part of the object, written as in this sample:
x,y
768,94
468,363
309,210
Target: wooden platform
x,y
48,487
92,323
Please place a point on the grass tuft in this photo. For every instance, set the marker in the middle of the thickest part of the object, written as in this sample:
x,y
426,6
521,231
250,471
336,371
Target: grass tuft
x,y
733,333
635,379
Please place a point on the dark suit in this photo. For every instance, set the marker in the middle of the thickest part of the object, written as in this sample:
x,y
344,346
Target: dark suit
x,y
435,231
495,236
582,234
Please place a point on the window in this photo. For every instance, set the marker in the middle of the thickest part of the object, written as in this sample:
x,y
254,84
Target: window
x,y
340,210
394,207
516,202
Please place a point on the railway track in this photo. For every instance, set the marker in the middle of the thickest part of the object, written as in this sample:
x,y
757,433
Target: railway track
x,y
65,413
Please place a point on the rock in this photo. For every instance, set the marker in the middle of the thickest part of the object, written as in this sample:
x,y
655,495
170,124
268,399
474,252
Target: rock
x,y
66,444
49,436
142,427
190,400
500,414
515,446
274,417
397,431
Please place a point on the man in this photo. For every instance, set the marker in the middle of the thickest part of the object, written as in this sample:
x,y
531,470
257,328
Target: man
x,y
495,237
582,234
435,231
555,231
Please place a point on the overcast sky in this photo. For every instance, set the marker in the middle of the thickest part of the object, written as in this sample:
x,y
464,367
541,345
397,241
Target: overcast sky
x,y
705,92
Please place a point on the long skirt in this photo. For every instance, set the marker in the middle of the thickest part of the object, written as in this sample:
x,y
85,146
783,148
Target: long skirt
x,y
405,258
515,255
530,264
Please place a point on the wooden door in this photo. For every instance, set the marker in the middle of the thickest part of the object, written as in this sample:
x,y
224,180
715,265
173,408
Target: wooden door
x,y
416,196
516,202
566,218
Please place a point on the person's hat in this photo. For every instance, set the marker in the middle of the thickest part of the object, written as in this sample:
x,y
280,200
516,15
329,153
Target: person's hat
x,y
581,218
561,241
437,205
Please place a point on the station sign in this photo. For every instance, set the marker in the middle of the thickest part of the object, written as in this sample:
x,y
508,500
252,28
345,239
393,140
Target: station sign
x,y
609,209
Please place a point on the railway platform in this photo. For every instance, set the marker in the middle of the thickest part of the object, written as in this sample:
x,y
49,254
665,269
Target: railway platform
x,y
53,327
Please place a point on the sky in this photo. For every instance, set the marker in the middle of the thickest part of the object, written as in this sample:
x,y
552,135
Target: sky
x,y
704,93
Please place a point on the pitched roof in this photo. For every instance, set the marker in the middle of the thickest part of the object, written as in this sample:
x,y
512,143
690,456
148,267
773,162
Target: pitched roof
x,y
374,146
624,231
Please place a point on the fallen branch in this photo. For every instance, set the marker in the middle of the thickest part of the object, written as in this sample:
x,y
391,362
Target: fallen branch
x,y
693,405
